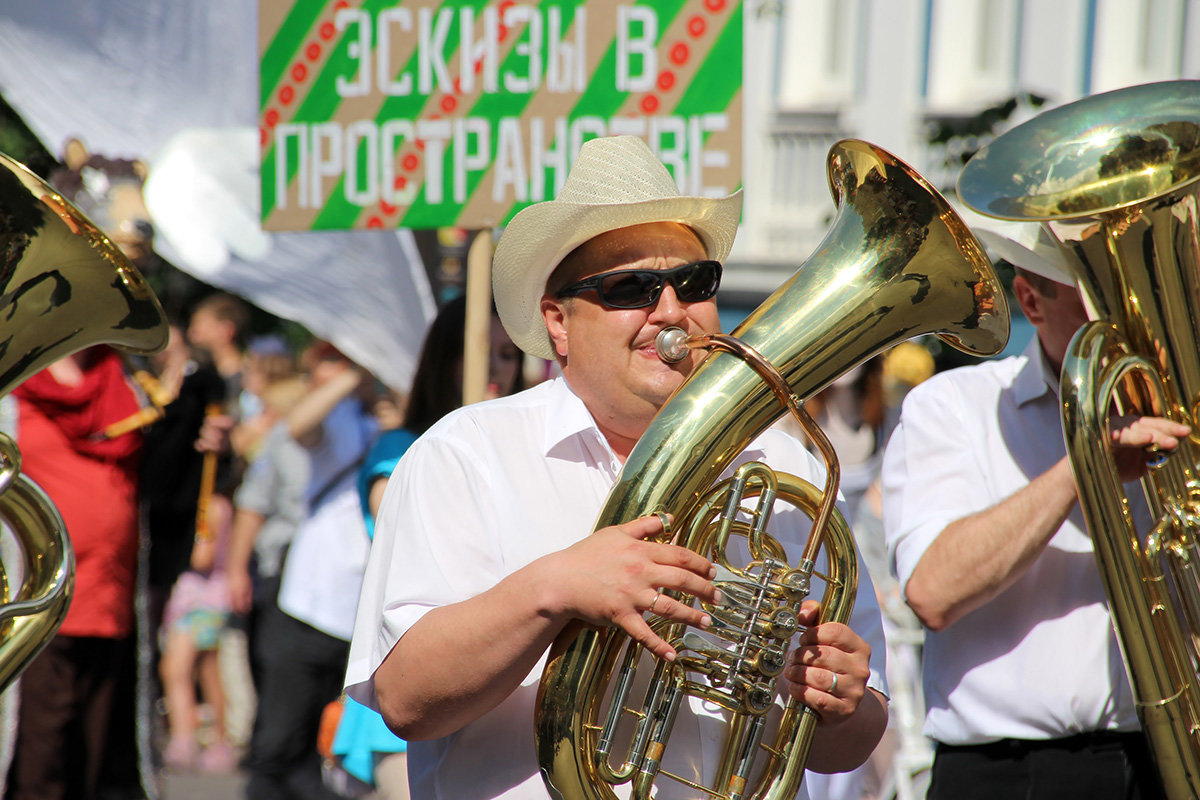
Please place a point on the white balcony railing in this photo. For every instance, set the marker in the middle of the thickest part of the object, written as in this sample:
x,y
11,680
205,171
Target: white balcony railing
x,y
788,206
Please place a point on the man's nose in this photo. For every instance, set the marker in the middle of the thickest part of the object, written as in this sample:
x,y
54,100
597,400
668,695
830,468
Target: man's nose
x,y
668,308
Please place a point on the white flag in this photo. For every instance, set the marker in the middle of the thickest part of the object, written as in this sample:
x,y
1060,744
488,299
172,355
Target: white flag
x,y
175,84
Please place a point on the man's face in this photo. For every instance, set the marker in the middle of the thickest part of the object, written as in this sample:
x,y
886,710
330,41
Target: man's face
x,y
326,369
206,330
1056,314
608,354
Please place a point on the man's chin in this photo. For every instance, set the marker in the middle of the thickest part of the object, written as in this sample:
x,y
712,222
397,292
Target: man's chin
x,y
660,391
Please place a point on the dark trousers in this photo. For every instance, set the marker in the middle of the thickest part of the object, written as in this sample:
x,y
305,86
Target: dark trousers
x,y
75,734
265,604
1095,766
302,671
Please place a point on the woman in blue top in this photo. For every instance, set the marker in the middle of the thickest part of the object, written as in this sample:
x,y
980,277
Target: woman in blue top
x,y
363,744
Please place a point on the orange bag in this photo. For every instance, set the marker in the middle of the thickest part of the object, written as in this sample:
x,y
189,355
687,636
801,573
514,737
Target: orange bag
x,y
331,716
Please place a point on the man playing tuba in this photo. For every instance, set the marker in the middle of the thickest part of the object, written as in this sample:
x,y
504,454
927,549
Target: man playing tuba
x,y
1025,689
482,551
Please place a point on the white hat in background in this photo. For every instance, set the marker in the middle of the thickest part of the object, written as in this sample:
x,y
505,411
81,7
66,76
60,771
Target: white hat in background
x,y
1023,244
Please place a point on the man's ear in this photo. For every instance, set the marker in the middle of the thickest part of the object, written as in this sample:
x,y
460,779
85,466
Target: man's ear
x,y
1028,299
554,315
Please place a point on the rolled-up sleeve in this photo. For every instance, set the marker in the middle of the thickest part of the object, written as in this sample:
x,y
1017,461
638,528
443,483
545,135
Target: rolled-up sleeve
x,y
430,549
931,475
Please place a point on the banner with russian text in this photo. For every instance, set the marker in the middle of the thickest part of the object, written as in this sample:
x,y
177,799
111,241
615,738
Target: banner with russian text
x,y
431,113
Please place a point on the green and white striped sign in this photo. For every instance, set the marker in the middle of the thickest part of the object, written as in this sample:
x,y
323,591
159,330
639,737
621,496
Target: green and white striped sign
x,y
431,113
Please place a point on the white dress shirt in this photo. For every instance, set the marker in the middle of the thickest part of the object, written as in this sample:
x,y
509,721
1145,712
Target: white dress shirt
x,y
483,493
1040,660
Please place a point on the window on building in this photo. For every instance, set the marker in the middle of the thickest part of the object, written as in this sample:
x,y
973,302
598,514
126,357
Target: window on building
x,y
973,46
818,49
1137,41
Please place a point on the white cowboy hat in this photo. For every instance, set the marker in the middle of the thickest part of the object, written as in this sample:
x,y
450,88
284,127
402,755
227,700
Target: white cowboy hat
x,y
615,182
1023,244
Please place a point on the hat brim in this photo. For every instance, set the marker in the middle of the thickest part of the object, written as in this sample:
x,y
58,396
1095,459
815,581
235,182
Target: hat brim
x,y
1022,244
539,237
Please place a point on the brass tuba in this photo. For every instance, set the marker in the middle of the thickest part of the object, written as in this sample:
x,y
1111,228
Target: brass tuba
x,y
897,262
63,287
1114,178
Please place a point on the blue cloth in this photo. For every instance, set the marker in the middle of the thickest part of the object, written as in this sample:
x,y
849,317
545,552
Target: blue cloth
x,y
381,460
362,733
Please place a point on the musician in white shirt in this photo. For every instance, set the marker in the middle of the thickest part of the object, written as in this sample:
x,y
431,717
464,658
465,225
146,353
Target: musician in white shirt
x,y
483,548
1025,690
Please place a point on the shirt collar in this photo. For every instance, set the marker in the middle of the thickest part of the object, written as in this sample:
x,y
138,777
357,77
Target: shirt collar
x,y
566,416
1035,378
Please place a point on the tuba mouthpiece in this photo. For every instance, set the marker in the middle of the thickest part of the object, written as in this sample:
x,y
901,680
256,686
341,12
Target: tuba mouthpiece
x,y
671,345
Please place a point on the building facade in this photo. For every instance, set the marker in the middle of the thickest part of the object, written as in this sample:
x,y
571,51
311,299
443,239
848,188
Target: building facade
x,y
914,77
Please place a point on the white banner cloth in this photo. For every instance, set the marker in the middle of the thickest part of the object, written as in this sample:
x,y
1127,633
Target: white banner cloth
x,y
175,83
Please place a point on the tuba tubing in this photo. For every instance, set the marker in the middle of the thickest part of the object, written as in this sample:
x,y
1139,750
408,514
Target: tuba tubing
x,y
1157,654
896,263
48,564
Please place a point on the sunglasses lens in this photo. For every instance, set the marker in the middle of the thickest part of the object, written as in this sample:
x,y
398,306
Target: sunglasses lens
x,y
630,289
637,288
697,282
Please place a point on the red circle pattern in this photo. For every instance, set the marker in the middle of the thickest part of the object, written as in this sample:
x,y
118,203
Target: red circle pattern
x,y
299,73
680,53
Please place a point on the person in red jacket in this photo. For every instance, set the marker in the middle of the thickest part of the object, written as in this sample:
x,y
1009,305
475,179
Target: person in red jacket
x,y
75,734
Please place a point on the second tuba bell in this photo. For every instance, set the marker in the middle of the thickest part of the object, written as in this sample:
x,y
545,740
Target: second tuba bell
x,y
897,263
63,287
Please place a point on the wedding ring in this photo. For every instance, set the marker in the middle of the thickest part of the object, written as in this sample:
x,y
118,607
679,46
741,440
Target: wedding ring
x,y
834,684
652,602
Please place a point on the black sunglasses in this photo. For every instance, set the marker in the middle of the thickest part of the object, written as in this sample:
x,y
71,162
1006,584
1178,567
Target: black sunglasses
x,y
638,288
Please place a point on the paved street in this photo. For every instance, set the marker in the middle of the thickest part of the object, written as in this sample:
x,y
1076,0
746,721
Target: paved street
x,y
203,787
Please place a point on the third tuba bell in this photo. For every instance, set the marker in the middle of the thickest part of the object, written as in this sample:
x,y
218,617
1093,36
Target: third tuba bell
x,y
63,287
1115,179
897,263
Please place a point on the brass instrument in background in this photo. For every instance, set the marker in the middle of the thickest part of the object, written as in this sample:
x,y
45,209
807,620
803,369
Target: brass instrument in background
x,y
1114,177
63,287
896,263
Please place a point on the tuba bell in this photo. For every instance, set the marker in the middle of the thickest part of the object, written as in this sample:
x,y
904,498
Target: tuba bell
x,y
1114,178
63,287
896,263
